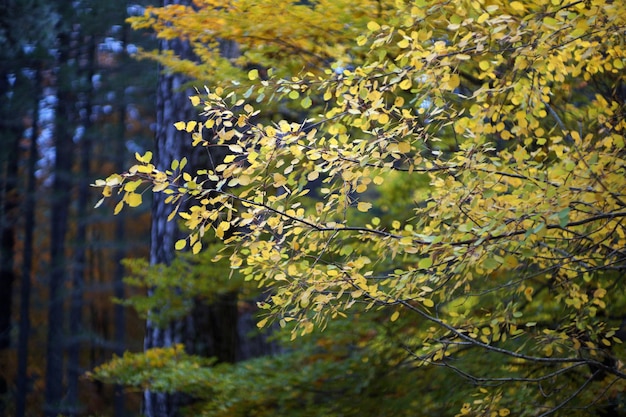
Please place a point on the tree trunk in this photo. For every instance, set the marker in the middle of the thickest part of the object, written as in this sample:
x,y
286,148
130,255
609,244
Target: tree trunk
x,y
76,330
172,105
10,134
60,202
210,330
22,381
118,279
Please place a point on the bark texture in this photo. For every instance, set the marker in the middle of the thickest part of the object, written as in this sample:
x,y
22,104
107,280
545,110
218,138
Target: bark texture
x,y
172,105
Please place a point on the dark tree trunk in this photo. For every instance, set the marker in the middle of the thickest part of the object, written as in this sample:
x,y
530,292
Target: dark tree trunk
x,y
60,202
172,105
10,133
118,279
22,381
76,330
210,330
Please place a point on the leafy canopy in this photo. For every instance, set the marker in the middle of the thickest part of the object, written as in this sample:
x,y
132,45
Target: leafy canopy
x,y
283,35
466,178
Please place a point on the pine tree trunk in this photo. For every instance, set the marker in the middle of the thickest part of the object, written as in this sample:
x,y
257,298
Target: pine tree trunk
x,y
22,380
119,319
76,329
172,105
59,212
217,330
10,134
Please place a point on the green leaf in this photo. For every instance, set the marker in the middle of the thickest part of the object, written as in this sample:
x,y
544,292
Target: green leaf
x,y
306,102
425,263
564,217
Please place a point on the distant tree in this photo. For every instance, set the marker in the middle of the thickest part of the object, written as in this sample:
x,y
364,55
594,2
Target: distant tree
x,y
61,193
172,105
23,40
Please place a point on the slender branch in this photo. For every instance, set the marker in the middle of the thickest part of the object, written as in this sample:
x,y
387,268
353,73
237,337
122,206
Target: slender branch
x,y
571,397
486,346
571,139
479,380
466,242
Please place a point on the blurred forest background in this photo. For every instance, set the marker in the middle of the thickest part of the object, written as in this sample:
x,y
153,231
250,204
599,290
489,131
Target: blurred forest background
x,y
74,106
77,106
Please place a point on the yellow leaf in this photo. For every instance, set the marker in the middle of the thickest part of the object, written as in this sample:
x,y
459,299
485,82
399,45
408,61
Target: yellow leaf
x,y
253,74
404,147
196,248
454,81
364,207
180,244
395,316
191,126
133,199
132,185
160,186
428,302
118,207
245,180
180,125
235,148
221,228
599,293
195,100
373,26
517,6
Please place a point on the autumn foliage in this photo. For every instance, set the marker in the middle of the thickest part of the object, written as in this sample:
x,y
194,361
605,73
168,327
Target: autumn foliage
x,y
463,181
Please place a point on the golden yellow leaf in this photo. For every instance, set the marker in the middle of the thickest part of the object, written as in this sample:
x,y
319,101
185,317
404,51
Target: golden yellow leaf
x,y
253,74
373,26
118,207
517,6
394,316
132,199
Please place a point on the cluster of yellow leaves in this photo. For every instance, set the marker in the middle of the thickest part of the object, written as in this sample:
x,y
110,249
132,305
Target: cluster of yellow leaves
x,y
165,369
562,172
513,113
284,35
